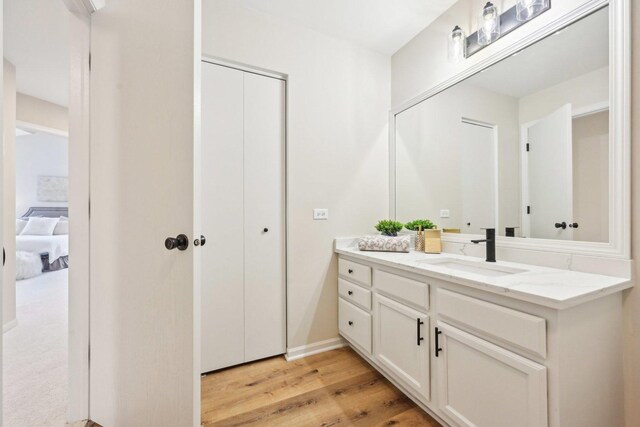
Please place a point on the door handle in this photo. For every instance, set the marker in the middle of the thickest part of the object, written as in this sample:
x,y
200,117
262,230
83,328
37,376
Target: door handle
x,y
181,242
573,225
562,225
200,242
419,323
438,349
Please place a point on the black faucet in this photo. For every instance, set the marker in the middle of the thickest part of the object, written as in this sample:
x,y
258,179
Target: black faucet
x,y
491,244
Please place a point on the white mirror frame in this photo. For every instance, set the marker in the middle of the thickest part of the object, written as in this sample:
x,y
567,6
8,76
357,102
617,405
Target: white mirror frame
x,y
619,245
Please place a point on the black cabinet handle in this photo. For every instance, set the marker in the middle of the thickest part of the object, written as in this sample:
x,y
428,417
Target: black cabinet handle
x,y
350,271
419,323
266,230
438,349
350,292
350,323
200,242
181,242
562,225
573,225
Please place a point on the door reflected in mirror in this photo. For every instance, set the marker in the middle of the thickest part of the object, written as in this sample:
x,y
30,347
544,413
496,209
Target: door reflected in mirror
x,y
523,144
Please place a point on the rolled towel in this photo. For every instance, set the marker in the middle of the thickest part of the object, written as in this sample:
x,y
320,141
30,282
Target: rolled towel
x,y
381,243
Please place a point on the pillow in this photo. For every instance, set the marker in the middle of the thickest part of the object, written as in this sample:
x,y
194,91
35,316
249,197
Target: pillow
x,y
40,226
62,227
20,224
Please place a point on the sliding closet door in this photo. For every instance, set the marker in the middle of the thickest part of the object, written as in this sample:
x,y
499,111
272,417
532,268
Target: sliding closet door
x,y
264,112
222,224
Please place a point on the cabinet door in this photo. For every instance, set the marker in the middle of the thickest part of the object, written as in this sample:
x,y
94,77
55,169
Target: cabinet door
x,y
483,385
401,344
222,311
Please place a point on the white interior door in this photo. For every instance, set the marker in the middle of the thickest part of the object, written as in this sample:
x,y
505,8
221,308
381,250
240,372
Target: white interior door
x,y
550,175
264,311
222,204
145,337
243,181
478,177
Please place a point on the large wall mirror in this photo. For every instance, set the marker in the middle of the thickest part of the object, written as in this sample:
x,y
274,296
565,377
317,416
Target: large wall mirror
x,y
523,146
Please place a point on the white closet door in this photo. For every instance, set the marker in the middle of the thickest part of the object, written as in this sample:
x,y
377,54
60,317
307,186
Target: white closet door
x,y
222,207
264,112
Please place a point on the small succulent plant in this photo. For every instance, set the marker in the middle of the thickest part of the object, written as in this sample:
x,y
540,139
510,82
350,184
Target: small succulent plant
x,y
416,224
388,227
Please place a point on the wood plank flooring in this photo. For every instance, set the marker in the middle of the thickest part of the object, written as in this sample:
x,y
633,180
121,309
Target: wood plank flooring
x,y
336,388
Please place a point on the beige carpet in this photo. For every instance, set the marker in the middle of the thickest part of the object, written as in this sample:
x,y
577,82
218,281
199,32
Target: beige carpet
x,y
35,354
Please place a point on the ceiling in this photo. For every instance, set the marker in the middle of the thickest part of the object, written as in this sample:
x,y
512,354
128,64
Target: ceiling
x,y
36,41
381,25
574,51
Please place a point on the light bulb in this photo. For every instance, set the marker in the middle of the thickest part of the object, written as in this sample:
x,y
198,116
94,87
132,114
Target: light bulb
x,y
527,9
457,45
489,24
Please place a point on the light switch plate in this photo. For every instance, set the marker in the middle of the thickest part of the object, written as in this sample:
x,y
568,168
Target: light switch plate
x,y
319,214
444,213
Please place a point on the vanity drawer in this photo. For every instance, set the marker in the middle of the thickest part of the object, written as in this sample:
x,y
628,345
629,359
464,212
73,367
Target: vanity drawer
x,y
408,291
355,324
514,327
355,294
354,271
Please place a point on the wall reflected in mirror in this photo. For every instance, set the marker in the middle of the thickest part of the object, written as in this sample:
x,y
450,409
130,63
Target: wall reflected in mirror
x,y
524,143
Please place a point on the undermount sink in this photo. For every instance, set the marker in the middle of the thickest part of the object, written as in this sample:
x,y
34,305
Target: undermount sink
x,y
473,267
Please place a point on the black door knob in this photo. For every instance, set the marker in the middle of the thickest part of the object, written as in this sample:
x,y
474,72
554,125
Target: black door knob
x,y
574,225
181,242
266,230
562,225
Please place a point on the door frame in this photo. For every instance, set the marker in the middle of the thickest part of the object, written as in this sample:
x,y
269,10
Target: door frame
x,y
285,78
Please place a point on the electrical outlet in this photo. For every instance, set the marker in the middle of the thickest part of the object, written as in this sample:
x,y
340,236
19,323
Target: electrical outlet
x,y
319,214
444,213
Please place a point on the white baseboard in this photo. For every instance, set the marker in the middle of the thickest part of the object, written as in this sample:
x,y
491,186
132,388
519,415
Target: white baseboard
x,y
315,348
9,325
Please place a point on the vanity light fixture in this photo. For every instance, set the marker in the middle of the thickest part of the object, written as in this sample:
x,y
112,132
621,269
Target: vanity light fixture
x,y
492,26
527,9
457,45
488,24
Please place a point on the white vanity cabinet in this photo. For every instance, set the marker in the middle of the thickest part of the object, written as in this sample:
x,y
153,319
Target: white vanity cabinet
x,y
471,356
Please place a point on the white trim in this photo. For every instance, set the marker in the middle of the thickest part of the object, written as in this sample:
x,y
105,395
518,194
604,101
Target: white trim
x,y
587,110
315,348
619,125
32,127
9,325
244,67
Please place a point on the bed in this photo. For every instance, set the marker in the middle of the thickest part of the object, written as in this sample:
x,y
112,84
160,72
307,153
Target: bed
x,y
53,250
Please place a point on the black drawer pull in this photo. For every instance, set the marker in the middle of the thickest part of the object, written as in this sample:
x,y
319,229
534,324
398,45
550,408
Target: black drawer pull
x,y
350,323
419,323
350,271
438,349
350,292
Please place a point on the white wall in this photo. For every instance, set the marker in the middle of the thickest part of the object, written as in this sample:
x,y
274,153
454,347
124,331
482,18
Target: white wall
x,y
43,113
338,101
539,104
37,155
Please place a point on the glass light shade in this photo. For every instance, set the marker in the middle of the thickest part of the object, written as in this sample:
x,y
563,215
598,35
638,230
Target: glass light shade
x,y
488,24
527,9
457,45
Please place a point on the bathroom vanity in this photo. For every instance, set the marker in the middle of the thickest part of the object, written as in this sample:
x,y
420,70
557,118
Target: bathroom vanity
x,y
487,344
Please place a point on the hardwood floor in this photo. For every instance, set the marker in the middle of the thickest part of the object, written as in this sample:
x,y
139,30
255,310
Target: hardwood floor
x,y
335,388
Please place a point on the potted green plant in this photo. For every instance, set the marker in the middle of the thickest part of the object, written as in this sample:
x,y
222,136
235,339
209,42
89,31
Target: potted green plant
x,y
418,224
388,227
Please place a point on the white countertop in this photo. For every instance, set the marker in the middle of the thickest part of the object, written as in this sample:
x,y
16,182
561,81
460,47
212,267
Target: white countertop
x,y
545,286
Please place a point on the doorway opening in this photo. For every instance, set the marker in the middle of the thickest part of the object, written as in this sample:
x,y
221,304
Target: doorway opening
x,y
45,212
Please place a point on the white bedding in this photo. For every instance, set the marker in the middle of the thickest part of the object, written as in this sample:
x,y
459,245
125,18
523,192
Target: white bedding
x,y
57,246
